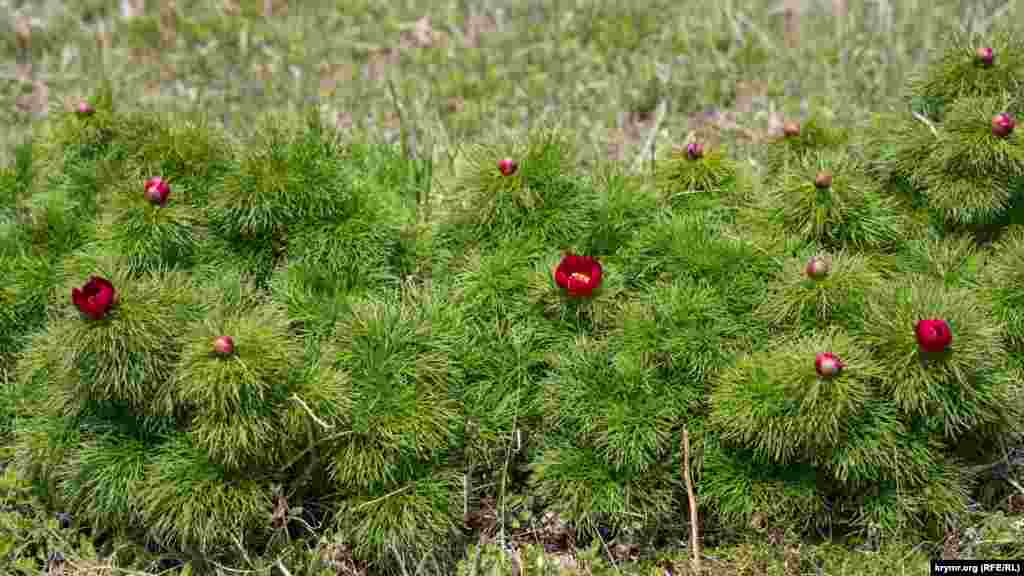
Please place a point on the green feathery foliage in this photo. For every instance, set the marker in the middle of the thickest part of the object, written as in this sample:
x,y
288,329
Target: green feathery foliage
x,y
398,355
817,136
27,281
680,178
878,446
955,260
495,284
954,72
609,436
1002,284
390,526
101,479
371,249
969,174
73,139
698,246
774,402
186,501
151,237
953,391
743,491
503,365
54,222
289,179
129,355
236,401
582,487
930,507
540,199
191,153
848,213
622,206
796,301
683,329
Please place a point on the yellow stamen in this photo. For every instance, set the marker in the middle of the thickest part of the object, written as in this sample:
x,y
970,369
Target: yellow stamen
x,y
581,277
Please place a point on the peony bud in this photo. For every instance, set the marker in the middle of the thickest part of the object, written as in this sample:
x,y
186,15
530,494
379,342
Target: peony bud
x,y
984,56
1002,125
224,345
695,150
823,179
817,268
827,364
157,190
507,166
791,129
84,109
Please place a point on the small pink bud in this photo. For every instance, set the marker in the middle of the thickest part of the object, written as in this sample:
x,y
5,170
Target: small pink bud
x,y
507,166
791,129
1002,125
817,268
695,150
985,56
224,345
84,109
827,364
157,190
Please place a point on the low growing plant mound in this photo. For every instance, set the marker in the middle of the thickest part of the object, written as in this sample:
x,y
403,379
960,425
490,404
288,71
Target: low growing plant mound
x,y
214,348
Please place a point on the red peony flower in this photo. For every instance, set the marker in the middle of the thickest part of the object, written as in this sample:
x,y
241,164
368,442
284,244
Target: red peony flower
x,y
95,298
578,275
827,364
157,190
933,335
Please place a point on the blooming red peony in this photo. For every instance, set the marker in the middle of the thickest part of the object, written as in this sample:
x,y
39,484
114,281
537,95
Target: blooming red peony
x,y
827,364
933,335
95,298
157,190
578,275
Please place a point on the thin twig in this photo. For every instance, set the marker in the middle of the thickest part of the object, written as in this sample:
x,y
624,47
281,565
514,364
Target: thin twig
x,y
384,497
281,567
609,553
694,527
310,412
1015,484
926,122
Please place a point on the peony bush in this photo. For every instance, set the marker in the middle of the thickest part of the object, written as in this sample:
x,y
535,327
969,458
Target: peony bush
x,y
212,345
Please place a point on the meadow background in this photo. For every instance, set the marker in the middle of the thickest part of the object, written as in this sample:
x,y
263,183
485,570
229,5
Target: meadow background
x,y
623,79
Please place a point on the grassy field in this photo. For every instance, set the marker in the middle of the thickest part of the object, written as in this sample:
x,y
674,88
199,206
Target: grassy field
x,y
623,79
